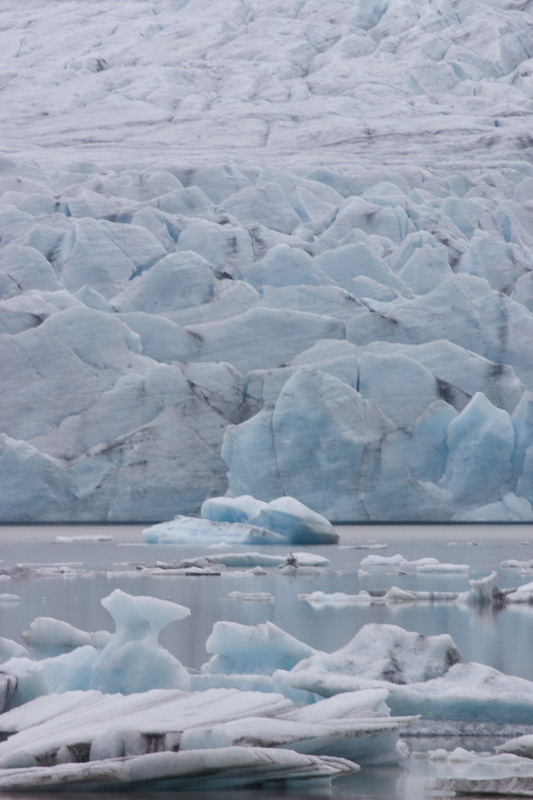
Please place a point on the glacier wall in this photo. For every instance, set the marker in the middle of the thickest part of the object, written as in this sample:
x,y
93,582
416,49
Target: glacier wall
x,y
307,275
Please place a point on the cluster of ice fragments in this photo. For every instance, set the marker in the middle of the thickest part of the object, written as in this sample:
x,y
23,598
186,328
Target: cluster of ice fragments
x,y
104,709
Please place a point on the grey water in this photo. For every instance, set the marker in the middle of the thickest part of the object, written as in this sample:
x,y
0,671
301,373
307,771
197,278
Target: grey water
x,y
501,638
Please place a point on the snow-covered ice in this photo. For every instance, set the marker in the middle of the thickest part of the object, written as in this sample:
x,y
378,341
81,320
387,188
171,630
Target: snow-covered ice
x,y
290,257
470,773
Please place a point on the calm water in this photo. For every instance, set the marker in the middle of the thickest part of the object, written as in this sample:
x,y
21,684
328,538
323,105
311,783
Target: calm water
x,y
500,638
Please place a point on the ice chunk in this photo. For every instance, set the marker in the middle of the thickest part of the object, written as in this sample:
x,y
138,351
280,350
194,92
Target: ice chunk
x,y
297,522
520,746
231,509
133,660
259,649
9,648
50,637
381,652
483,774
284,515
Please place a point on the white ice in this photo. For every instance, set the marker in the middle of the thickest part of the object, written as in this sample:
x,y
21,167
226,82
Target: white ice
x,y
471,773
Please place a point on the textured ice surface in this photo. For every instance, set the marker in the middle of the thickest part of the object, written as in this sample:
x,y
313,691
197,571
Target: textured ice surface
x,y
284,515
252,649
290,257
470,773
130,660
223,768
422,674
187,530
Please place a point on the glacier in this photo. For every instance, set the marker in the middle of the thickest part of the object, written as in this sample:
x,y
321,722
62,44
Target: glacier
x,y
292,257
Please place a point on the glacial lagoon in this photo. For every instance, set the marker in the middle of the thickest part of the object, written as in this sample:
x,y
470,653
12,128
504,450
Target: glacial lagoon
x,y
87,570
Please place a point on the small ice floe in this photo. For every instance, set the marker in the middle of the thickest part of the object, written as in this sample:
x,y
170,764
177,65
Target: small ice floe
x,y
483,591
29,571
462,544
390,596
255,597
249,560
469,773
86,537
163,571
423,565
522,594
364,546
5,597
523,566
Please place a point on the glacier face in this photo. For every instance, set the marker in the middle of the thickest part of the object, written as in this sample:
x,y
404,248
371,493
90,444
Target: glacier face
x,y
292,257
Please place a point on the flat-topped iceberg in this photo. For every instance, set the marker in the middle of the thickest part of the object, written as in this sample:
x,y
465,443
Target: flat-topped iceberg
x,y
223,768
470,773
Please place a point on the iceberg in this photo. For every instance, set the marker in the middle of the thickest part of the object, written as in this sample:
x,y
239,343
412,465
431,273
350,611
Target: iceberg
x,y
246,520
482,774
130,660
423,675
223,768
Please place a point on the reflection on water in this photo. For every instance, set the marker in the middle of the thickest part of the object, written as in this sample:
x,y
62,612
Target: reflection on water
x,y
498,637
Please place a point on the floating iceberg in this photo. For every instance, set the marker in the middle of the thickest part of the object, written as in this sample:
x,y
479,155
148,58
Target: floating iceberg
x,y
471,773
246,520
483,591
423,674
284,515
223,768
130,660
